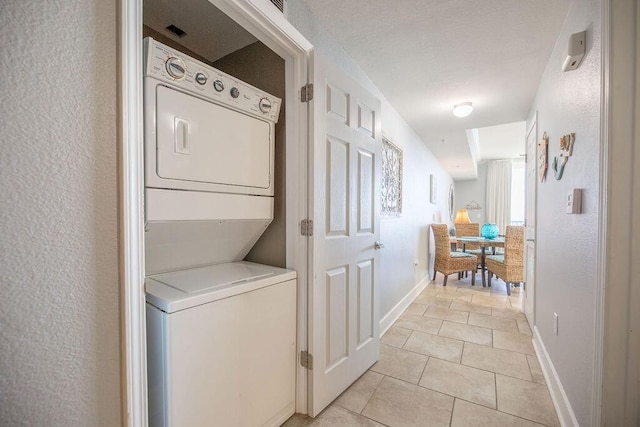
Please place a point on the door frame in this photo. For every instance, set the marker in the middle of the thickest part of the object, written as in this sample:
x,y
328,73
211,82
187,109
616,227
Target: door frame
x,y
532,127
266,23
617,344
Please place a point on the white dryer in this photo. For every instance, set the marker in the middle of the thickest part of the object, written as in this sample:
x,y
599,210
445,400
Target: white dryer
x,y
221,331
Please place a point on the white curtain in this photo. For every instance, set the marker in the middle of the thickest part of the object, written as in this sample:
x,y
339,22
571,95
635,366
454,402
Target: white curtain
x,y
498,205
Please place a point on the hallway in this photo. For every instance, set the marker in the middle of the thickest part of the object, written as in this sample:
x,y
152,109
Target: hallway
x,y
459,356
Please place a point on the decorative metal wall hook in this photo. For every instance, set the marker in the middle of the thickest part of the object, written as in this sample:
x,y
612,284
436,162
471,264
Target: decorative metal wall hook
x,y
558,170
566,150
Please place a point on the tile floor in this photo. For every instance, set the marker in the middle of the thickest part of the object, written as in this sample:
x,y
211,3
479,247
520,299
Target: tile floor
x,y
458,356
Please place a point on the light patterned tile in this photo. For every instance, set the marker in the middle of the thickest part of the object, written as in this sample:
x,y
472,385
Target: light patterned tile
x,y
336,416
395,336
497,296
298,420
419,323
475,290
417,309
448,290
508,313
401,364
525,399
501,289
396,403
516,302
499,323
436,346
432,300
455,296
428,292
536,370
467,306
496,360
481,300
446,314
358,394
467,383
514,342
523,327
467,414
468,333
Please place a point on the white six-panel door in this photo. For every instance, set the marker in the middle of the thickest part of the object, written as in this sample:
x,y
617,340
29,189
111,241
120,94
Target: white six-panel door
x,y
345,164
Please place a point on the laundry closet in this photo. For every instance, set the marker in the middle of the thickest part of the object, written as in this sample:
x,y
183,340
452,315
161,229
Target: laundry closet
x,y
221,307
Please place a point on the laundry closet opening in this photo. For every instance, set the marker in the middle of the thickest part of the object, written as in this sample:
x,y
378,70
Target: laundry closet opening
x,y
200,30
220,306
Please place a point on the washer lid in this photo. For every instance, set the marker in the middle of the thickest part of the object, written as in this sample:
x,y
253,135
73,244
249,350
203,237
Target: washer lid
x,y
198,280
183,289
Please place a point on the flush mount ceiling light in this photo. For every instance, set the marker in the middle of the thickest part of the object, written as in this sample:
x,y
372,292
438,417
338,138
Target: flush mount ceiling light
x,y
462,109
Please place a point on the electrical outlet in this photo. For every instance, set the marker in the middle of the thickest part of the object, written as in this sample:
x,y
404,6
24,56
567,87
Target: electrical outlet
x,y
555,323
415,262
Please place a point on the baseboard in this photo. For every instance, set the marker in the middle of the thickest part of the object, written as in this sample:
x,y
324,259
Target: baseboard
x,y
563,407
402,305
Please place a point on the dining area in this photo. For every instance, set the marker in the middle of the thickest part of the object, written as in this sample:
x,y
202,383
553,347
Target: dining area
x,y
469,249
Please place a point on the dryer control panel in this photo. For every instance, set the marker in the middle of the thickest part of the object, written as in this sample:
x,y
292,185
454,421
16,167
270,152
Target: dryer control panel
x,y
170,65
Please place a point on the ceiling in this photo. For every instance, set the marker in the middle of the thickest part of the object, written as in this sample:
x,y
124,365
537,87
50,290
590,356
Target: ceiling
x,y
209,32
424,56
427,55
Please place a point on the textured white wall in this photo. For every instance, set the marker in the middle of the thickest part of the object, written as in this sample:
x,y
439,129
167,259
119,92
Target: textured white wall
x,y
256,64
475,189
59,320
567,244
407,237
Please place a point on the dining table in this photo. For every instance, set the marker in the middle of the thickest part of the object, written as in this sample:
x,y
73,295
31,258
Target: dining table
x,y
483,243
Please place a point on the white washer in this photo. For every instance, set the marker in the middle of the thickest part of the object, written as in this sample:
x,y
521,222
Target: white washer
x,y
223,340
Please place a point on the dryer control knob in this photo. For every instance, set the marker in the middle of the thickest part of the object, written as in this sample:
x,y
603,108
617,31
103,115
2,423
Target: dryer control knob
x,y
176,68
218,85
235,92
201,78
265,105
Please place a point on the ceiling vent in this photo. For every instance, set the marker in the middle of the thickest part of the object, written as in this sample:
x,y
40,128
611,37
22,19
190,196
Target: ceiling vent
x,y
177,31
279,4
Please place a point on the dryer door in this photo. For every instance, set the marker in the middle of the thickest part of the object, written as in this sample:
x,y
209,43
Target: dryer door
x,y
200,141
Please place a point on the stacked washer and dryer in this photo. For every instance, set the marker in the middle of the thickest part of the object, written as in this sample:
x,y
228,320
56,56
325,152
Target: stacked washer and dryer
x,y
221,332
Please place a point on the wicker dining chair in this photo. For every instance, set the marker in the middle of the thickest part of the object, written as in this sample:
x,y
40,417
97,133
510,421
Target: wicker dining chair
x,y
448,262
510,265
469,230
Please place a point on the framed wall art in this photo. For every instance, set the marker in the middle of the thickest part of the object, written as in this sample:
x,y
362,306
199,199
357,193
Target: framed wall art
x,y
391,188
433,186
543,157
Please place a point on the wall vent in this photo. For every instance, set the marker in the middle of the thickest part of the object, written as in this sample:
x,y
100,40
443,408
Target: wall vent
x,y
279,4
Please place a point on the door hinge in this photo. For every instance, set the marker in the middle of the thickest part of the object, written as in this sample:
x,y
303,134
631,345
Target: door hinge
x,y
306,227
306,360
306,93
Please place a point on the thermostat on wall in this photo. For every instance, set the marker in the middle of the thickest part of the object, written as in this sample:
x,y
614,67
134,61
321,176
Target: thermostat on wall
x,y
574,201
575,51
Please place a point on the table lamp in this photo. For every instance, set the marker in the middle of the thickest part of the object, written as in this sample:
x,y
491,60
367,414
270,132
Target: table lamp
x,y
462,217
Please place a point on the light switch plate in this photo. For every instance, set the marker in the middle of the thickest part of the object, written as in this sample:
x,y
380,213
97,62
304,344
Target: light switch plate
x,y
574,201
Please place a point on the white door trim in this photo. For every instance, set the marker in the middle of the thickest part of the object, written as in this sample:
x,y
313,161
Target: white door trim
x,y
133,331
617,347
601,255
532,127
265,22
